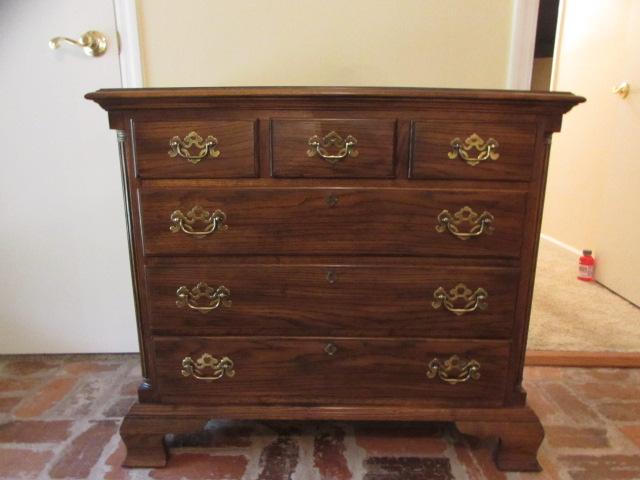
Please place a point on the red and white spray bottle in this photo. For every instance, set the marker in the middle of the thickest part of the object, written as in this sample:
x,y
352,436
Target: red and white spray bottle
x,y
586,267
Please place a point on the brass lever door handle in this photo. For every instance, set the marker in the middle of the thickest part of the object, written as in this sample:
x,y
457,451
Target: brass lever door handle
x,y
92,43
623,90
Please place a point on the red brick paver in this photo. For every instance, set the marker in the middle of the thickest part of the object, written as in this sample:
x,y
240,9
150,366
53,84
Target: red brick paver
x,y
37,431
22,462
59,417
45,398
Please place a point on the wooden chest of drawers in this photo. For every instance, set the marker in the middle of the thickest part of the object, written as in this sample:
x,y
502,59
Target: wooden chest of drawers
x,y
333,253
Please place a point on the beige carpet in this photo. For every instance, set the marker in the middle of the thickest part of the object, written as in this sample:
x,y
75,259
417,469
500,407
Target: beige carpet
x,y
568,314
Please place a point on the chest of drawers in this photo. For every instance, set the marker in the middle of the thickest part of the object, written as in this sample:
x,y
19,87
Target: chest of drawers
x,y
333,253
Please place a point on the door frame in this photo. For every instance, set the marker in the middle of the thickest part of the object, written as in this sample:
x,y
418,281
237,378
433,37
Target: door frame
x,y
524,24
128,43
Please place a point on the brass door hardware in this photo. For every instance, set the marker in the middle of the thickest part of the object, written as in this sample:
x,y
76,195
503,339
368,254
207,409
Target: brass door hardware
x,y
478,223
207,362
92,43
454,370
180,147
332,139
471,301
486,151
211,221
623,89
331,349
203,298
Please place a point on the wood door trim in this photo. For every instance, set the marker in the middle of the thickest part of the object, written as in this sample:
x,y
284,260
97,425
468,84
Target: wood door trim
x,y
566,358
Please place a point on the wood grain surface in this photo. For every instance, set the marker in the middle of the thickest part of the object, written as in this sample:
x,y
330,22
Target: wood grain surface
x,y
235,142
331,300
300,221
375,147
292,370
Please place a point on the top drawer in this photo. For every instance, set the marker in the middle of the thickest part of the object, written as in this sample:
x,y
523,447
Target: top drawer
x,y
195,149
472,149
328,148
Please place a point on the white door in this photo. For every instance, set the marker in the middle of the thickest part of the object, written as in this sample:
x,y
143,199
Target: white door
x,y
65,284
593,193
618,234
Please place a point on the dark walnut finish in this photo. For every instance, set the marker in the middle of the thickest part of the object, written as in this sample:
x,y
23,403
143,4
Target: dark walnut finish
x,y
356,300
333,254
325,221
231,154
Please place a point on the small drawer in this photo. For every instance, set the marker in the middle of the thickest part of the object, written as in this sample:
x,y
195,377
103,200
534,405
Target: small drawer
x,y
195,149
333,148
225,298
343,221
472,150
312,371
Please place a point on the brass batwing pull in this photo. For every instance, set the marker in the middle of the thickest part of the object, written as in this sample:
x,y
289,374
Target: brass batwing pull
x,y
198,369
454,370
486,151
203,298
211,221
471,301
332,139
207,146
92,43
478,223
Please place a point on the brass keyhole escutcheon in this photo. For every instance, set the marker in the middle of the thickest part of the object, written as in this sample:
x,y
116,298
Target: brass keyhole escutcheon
x,y
330,349
332,200
331,276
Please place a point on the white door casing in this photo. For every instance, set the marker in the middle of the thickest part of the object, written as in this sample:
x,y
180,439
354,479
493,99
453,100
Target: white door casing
x,y
66,285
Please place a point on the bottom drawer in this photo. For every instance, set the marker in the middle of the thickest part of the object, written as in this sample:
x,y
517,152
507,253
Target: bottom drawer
x,y
265,370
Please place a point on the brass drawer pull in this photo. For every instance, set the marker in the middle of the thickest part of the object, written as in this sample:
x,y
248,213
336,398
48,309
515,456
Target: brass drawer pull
x,y
332,139
213,298
197,369
478,223
181,147
211,221
472,301
454,370
486,151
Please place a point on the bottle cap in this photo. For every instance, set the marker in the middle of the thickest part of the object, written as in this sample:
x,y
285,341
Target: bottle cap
x,y
587,252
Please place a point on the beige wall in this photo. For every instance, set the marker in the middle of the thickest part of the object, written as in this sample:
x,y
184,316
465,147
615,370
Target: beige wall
x,y
541,75
453,43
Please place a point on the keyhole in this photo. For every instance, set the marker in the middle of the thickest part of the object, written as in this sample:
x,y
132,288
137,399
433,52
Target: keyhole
x,y
331,349
332,200
331,276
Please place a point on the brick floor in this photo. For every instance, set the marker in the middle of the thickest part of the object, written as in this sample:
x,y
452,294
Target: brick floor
x,y
59,417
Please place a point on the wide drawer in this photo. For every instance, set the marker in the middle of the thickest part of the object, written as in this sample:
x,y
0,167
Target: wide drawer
x,y
252,370
198,148
225,298
340,221
333,148
472,150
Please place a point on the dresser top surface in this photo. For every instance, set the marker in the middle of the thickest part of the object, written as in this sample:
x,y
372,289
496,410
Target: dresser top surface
x,y
119,98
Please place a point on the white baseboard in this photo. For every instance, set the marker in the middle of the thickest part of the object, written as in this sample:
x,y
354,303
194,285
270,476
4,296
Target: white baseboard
x,y
564,246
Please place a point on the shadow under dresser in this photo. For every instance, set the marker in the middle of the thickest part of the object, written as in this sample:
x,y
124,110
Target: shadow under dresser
x,y
333,254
